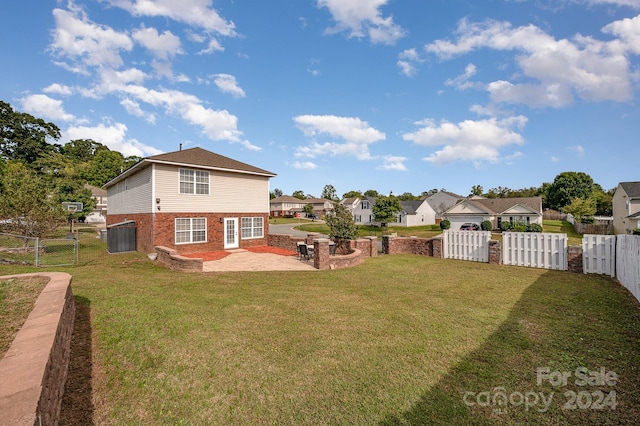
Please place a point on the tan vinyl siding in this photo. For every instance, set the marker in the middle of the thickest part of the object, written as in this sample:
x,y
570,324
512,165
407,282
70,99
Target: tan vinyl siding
x,y
131,195
228,193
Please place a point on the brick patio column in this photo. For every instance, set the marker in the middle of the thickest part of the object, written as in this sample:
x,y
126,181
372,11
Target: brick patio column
x,y
437,248
495,252
321,253
373,246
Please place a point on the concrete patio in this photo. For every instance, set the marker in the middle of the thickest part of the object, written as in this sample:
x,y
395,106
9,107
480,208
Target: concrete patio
x,y
244,260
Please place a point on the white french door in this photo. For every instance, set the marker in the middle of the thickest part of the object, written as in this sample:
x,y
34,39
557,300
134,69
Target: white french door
x,y
230,232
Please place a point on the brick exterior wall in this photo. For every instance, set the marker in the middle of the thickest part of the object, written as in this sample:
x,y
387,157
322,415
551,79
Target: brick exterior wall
x,y
158,229
34,369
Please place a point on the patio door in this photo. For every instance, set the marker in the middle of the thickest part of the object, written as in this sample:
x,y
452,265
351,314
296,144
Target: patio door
x,y
230,232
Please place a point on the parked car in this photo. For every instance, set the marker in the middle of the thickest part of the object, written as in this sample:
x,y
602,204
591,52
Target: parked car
x,y
470,227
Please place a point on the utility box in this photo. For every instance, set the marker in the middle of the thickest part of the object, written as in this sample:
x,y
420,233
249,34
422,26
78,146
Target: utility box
x,y
121,237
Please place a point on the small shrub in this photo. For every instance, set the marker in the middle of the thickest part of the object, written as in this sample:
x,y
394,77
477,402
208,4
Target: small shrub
x,y
636,231
519,227
534,227
486,225
505,226
445,224
587,219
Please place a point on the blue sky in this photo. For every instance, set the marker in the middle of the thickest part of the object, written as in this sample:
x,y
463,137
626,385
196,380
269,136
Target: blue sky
x,y
391,95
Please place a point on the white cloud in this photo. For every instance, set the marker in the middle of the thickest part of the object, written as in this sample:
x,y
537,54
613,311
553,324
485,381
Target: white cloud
x,y
628,31
45,107
462,81
199,13
476,141
227,83
133,108
363,18
113,136
163,46
213,46
58,89
631,3
407,61
86,44
558,69
356,136
391,162
577,149
304,165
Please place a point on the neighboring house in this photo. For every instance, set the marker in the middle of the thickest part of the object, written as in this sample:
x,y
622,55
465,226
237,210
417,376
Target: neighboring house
x,y
286,205
99,213
351,203
363,211
415,213
193,201
526,210
321,206
441,201
626,207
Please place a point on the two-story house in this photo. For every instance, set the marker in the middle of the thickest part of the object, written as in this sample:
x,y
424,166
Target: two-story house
x,y
99,213
626,207
286,206
193,201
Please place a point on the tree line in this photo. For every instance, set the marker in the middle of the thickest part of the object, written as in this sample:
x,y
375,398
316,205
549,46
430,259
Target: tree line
x,y
38,174
570,192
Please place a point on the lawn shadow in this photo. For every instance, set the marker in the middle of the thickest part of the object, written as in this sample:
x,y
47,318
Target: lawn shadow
x,y
77,402
561,322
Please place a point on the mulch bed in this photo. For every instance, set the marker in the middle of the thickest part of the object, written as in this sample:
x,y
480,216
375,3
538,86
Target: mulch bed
x,y
217,255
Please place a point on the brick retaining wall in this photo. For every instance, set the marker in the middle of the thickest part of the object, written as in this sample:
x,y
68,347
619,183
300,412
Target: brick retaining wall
x,y
172,260
34,369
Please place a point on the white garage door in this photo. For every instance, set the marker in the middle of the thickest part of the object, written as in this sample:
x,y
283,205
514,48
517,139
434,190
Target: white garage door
x,y
457,222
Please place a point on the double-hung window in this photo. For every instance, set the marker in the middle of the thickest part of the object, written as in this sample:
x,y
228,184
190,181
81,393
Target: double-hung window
x,y
194,182
191,230
252,227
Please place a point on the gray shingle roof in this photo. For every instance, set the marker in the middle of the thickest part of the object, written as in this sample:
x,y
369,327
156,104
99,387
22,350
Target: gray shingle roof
x,y
194,157
202,157
499,205
631,188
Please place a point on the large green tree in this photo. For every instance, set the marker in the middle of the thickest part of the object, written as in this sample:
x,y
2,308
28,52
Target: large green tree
x,y
352,194
24,137
329,193
299,194
385,209
26,205
568,186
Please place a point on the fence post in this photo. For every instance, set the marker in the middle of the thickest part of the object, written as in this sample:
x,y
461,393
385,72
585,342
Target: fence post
x,y
37,251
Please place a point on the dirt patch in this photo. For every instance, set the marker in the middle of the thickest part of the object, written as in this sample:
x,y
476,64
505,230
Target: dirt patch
x,y
77,405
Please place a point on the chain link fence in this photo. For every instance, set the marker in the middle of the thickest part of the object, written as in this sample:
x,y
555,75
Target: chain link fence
x,y
81,247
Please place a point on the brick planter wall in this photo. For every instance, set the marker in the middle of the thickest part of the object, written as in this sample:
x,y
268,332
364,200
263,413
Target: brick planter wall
x,y
423,246
34,370
172,260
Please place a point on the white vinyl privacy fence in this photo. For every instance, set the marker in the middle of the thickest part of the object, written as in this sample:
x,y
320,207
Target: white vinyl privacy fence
x,y
467,245
536,250
628,262
599,254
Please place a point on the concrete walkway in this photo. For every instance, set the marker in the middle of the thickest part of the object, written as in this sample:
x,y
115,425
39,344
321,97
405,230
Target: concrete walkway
x,y
243,260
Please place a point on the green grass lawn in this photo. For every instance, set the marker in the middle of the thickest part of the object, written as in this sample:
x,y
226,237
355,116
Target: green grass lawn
x,y
427,231
398,340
